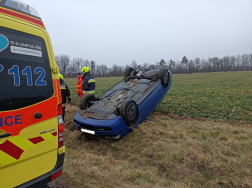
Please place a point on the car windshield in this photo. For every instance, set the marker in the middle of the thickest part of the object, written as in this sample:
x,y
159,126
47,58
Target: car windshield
x,y
25,77
21,7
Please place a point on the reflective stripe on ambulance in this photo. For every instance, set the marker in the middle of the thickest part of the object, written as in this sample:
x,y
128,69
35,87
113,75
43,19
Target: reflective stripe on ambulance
x,y
12,149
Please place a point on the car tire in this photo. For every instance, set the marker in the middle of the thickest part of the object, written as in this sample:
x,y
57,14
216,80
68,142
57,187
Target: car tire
x,y
128,71
163,75
129,111
85,101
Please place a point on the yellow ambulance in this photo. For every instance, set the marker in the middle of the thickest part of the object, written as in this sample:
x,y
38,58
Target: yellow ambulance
x,y
31,125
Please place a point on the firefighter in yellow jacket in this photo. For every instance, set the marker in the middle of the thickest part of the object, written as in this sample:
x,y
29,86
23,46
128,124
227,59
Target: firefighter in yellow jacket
x,y
65,93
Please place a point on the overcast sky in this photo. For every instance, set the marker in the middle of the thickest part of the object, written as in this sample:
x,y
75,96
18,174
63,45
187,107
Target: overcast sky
x,y
117,32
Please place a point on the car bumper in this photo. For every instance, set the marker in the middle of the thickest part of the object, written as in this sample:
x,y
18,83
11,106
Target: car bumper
x,y
111,128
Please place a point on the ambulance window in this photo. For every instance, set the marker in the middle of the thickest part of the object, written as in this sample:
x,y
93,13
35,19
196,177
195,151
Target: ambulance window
x,y
25,76
20,7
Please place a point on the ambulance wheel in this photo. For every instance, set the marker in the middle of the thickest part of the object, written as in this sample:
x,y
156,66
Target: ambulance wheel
x,y
86,101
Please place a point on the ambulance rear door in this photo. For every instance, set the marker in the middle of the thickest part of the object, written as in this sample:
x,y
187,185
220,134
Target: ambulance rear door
x,y
28,103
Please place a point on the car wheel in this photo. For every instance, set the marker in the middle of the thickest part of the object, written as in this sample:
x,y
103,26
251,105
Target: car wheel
x,y
128,71
85,101
163,75
129,111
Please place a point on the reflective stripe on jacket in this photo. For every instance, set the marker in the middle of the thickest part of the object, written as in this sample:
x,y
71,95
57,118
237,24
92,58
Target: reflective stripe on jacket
x,y
89,92
88,84
65,92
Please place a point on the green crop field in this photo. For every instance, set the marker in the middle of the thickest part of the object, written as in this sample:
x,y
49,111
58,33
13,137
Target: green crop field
x,y
215,96
102,84
167,151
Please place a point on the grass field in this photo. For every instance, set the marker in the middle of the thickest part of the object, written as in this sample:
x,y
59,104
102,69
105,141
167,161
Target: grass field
x,y
226,96
170,151
164,152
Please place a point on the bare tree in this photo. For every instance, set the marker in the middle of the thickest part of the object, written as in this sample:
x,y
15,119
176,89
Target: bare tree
x,y
197,63
104,70
62,62
145,65
250,61
172,65
162,62
87,63
134,64
232,62
245,61
227,63
77,64
190,66
93,63
184,62
238,59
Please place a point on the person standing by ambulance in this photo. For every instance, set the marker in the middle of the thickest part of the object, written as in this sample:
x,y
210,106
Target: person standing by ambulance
x,y
65,93
88,84
79,84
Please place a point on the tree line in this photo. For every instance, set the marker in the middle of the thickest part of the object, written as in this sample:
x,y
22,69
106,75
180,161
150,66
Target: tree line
x,y
69,67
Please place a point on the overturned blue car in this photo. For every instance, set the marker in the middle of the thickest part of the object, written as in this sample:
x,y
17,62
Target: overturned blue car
x,y
122,107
